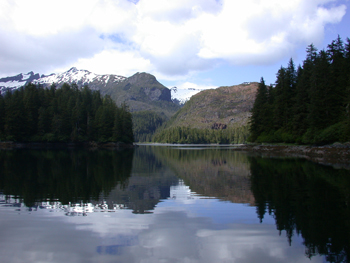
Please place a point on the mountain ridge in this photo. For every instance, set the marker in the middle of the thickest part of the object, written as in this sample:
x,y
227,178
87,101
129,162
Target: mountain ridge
x,y
83,77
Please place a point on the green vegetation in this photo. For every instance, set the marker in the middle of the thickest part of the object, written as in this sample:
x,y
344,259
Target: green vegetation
x,y
196,135
148,100
145,124
211,116
308,105
67,114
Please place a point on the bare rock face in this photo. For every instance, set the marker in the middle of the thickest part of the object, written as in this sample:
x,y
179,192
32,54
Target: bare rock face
x,y
218,126
143,78
149,86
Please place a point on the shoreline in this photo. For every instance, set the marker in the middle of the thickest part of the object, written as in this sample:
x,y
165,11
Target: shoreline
x,y
64,145
337,155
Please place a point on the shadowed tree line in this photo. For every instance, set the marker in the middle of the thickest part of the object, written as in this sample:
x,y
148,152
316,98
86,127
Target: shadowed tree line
x,y
305,199
67,114
197,136
308,104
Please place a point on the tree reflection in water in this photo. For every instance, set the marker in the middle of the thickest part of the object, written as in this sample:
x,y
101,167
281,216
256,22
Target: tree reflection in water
x,y
68,176
306,199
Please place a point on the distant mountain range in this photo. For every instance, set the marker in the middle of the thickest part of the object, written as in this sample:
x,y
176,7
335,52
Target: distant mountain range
x,y
80,77
84,77
153,104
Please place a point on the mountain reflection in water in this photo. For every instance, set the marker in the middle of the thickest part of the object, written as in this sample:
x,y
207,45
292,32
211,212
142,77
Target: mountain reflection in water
x,y
170,204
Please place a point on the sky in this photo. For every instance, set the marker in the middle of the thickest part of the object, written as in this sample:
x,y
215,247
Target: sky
x,y
183,43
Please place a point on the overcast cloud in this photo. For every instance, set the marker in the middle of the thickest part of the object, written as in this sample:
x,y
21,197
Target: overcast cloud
x,y
171,39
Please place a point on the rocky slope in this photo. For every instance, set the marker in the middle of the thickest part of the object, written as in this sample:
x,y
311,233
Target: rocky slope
x,y
219,108
142,92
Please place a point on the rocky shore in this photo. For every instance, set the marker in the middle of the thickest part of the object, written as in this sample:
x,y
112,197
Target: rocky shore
x,y
337,154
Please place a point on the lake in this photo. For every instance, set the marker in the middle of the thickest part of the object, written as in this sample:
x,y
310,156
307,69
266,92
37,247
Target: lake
x,y
171,204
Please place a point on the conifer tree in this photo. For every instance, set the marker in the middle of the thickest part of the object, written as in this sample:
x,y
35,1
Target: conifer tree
x,y
33,113
259,118
2,120
320,93
338,80
303,85
280,99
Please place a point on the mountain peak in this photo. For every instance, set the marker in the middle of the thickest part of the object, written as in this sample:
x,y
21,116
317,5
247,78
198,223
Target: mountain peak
x,y
72,70
142,77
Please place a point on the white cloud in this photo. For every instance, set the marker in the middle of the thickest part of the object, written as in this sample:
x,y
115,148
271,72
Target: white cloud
x,y
261,32
42,17
115,62
171,38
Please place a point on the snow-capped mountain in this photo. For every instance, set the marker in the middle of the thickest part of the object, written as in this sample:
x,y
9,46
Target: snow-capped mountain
x,y
80,77
17,81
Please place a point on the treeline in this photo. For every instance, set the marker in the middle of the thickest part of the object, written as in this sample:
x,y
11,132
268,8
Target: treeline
x,y
67,114
196,135
308,105
145,123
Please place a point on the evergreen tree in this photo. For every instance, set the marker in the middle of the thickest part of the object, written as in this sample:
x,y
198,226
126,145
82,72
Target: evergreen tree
x,y
280,99
290,93
15,121
31,107
338,80
2,120
33,113
259,118
302,101
320,93
347,97
310,104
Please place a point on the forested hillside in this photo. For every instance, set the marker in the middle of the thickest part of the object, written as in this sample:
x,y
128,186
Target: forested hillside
x,y
212,116
149,102
36,114
308,105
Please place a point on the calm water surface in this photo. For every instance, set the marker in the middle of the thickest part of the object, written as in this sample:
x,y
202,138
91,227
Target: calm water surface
x,y
170,204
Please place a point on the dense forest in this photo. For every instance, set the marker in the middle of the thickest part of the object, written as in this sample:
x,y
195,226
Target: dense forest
x,y
196,135
67,114
145,123
307,105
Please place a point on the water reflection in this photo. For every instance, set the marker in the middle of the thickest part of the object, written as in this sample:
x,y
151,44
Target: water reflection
x,y
165,204
308,200
67,176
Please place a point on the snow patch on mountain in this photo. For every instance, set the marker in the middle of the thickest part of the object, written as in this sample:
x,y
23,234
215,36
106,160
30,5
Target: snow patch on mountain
x,y
17,81
185,91
80,77
179,94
